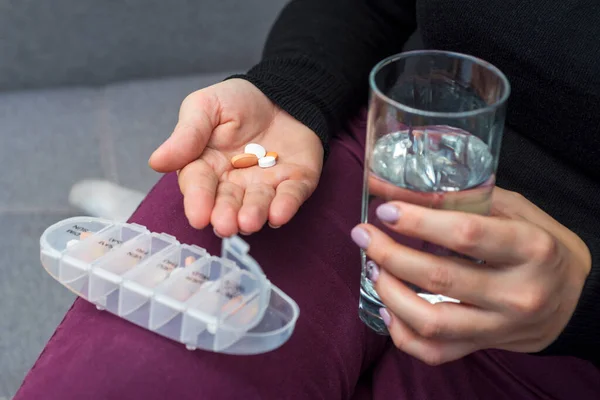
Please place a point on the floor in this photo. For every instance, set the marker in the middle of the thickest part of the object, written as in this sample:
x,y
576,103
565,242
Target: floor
x,y
48,141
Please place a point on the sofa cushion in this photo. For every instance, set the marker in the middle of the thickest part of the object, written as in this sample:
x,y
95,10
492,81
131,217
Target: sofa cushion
x,y
91,42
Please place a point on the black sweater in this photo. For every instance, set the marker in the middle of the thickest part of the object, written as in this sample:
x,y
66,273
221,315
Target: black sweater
x,y
319,53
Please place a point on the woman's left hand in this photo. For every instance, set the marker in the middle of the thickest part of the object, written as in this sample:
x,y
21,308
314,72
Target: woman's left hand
x,y
520,300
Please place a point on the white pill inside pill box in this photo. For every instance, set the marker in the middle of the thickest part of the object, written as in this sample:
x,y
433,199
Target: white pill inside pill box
x,y
266,162
256,149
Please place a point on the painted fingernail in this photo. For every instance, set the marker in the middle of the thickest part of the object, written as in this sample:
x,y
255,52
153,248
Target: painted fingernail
x,y
385,316
388,213
360,237
372,271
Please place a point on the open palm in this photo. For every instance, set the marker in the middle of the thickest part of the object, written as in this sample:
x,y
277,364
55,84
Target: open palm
x,y
214,125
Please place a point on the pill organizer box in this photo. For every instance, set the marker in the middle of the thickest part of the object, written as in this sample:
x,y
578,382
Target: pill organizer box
x,y
223,304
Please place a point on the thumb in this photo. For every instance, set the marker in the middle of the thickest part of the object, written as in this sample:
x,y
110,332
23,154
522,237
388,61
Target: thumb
x,y
198,117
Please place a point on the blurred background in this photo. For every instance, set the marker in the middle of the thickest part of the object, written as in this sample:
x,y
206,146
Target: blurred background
x,y
88,89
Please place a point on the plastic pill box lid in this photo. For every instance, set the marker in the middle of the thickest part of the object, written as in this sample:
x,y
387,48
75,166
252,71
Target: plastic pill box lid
x,y
141,276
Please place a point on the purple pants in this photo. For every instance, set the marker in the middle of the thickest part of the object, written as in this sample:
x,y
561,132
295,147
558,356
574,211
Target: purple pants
x,y
331,355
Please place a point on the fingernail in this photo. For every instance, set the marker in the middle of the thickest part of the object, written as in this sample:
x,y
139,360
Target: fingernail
x,y
388,213
217,234
360,237
274,226
244,233
385,316
372,271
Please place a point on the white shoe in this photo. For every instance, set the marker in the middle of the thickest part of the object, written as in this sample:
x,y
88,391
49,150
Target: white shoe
x,y
104,199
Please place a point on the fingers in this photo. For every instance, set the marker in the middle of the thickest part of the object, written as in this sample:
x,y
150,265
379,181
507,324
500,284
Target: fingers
x,y
435,321
449,276
255,208
430,351
198,184
247,210
481,237
289,197
227,206
198,117
235,204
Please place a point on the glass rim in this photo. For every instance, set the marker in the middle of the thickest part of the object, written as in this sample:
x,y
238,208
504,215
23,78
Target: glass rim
x,y
460,114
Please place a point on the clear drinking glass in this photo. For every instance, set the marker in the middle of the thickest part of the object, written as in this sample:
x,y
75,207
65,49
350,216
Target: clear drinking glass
x,y
434,133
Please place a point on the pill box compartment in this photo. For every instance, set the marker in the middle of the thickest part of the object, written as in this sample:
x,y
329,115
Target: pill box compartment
x,y
107,274
139,284
224,310
53,242
77,261
222,304
170,298
275,327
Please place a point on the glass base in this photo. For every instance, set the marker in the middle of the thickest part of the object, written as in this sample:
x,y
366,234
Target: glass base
x,y
368,311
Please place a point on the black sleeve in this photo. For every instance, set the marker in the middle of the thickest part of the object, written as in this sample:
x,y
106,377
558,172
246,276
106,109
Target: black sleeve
x,y
581,337
319,53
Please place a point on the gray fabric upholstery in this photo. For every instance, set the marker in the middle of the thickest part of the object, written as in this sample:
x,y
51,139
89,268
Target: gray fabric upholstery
x,y
94,42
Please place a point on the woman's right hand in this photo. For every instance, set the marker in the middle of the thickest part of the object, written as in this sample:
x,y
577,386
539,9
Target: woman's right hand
x,y
214,125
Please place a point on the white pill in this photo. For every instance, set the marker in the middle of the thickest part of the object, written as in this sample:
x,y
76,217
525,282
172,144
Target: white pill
x,y
266,162
256,149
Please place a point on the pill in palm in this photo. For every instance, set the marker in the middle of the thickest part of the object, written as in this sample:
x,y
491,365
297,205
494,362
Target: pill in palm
x,y
266,162
272,154
256,149
244,160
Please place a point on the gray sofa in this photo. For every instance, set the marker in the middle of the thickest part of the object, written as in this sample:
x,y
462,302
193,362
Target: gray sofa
x,y
88,88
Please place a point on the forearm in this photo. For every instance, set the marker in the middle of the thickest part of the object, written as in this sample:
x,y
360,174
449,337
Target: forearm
x,y
319,53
